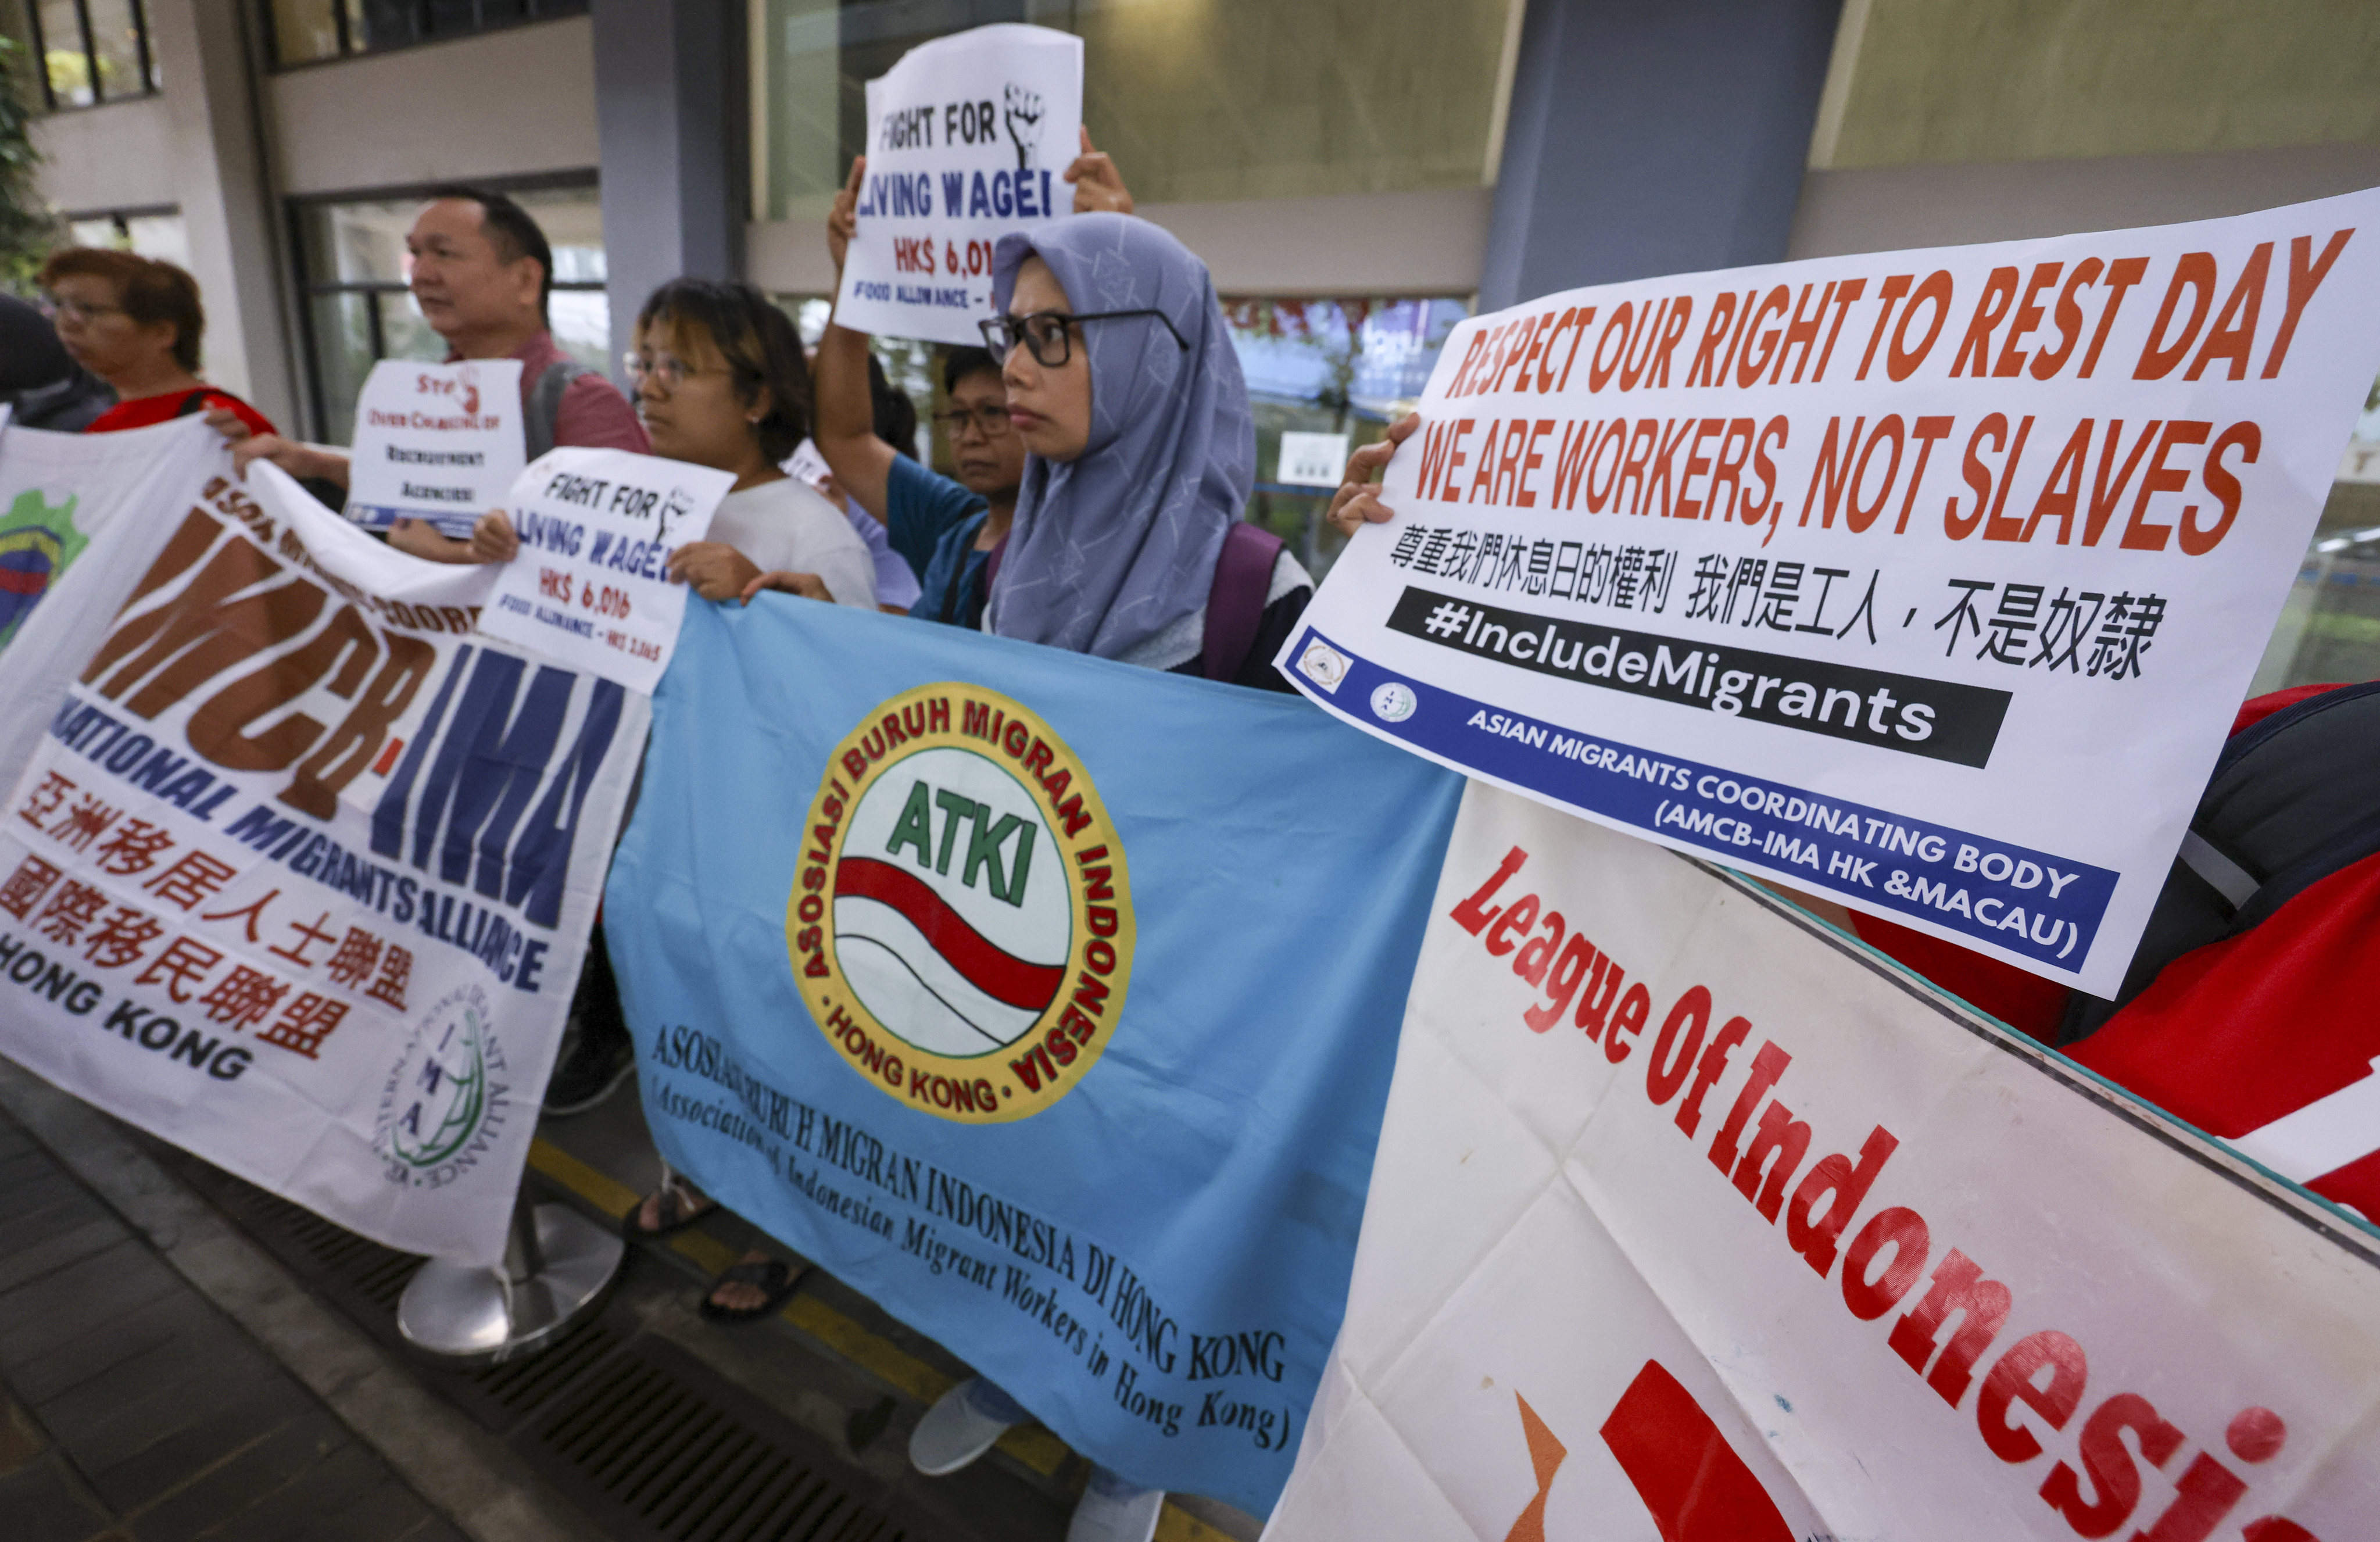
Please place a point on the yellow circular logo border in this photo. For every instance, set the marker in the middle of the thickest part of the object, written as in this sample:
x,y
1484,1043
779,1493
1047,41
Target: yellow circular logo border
x,y
1041,1065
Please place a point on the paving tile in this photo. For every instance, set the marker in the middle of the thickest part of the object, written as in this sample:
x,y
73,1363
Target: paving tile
x,y
54,1208
306,1506
272,1461
201,1370
23,1164
23,1264
42,1503
44,1191
384,1515
139,1475
82,1295
434,1528
80,1356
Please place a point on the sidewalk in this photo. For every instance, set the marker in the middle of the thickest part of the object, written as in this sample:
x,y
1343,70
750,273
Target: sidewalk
x,y
136,1409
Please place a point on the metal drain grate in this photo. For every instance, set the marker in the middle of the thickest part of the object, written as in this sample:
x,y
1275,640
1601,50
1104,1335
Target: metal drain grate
x,y
638,1435
681,1455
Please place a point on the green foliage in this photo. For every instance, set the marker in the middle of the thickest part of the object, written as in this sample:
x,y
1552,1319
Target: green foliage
x,y
27,228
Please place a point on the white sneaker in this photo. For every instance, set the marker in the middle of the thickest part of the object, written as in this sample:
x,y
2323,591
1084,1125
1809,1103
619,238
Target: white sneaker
x,y
964,1422
1115,1509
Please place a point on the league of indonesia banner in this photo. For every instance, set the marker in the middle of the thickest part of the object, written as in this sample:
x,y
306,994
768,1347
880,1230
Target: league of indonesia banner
x,y
1927,580
967,137
1047,1001
297,869
1692,1219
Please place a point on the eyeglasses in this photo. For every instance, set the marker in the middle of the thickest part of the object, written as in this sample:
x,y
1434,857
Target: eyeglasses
x,y
668,370
78,311
991,419
1048,335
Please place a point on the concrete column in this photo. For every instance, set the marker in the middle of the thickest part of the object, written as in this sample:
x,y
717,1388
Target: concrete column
x,y
670,95
1651,136
204,64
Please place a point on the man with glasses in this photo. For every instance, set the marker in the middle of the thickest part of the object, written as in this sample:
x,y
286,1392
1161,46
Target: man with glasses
x,y
951,532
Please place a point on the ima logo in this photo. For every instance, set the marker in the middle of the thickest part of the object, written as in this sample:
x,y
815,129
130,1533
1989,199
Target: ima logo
x,y
962,923
37,540
1692,1481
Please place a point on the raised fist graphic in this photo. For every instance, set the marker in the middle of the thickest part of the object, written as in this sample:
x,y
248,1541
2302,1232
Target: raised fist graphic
x,y
1024,119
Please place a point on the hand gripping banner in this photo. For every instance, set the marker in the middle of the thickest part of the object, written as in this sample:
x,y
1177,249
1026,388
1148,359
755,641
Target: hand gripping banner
x,y
1693,1219
298,869
1049,1002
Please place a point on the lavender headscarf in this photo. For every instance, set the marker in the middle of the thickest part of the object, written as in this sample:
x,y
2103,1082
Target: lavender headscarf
x,y
1111,549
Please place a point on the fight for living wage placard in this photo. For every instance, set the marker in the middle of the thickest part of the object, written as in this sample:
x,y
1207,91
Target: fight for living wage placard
x,y
592,585
1692,1219
1068,1054
297,871
440,442
1927,580
967,138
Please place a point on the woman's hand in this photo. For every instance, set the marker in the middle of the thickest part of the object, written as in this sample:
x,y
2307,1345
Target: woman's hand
x,y
1357,502
299,460
716,570
843,220
810,586
230,424
1099,187
418,538
492,538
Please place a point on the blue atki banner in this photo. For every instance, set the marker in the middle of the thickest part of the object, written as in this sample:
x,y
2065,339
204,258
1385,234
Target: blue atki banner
x,y
1050,1001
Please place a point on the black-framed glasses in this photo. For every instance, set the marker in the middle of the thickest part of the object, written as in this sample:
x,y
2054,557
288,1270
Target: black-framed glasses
x,y
992,418
1048,335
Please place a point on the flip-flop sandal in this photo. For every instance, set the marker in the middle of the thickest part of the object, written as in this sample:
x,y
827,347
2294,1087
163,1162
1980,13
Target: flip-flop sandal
x,y
776,1277
676,1198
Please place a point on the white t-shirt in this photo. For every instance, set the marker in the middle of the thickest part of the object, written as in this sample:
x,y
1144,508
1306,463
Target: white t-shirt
x,y
784,527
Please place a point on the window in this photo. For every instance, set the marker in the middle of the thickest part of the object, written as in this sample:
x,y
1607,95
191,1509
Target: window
x,y
91,51
305,31
359,312
1195,99
157,232
2329,627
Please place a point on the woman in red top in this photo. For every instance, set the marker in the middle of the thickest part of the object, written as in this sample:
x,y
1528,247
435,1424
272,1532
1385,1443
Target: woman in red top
x,y
135,322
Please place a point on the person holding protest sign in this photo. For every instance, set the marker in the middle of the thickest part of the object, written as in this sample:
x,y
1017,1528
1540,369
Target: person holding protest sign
x,y
948,530
482,272
136,323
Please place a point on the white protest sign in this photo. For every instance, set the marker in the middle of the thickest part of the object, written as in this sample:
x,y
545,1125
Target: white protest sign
x,y
1692,1219
1312,459
435,442
967,137
1928,580
590,585
295,872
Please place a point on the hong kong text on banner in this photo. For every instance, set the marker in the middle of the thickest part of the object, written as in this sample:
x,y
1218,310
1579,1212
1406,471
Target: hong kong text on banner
x,y
1929,580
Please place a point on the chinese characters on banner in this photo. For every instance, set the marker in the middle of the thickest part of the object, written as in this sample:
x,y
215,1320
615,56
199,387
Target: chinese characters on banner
x,y
1928,580
298,871
1689,1219
435,442
590,585
967,137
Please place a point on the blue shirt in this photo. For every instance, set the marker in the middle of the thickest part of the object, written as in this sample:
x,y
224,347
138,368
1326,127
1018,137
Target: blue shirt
x,y
932,522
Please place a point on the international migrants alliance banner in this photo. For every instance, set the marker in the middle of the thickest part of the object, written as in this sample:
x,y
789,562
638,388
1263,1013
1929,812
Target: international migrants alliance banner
x,y
1694,1219
1049,1002
296,869
1926,580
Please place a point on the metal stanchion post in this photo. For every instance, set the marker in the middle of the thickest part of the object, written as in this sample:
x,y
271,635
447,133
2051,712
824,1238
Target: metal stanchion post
x,y
557,1265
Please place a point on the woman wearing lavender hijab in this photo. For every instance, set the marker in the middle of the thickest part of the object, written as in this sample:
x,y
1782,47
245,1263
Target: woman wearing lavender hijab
x,y
1123,385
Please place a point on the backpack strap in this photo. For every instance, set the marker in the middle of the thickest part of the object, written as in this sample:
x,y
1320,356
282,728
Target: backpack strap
x,y
545,405
1235,601
195,402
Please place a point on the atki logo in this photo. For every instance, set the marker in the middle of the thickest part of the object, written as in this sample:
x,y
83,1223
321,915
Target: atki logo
x,y
1692,1481
962,923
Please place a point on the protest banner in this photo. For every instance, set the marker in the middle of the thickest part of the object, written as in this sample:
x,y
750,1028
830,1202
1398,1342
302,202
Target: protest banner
x,y
1963,559
590,585
58,491
1692,1218
967,138
1043,1040
297,871
436,441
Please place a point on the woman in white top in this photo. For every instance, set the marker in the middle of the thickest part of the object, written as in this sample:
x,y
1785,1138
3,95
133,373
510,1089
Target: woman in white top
x,y
721,382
